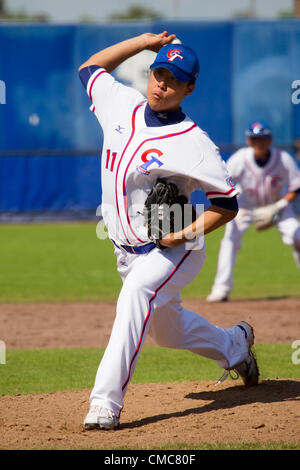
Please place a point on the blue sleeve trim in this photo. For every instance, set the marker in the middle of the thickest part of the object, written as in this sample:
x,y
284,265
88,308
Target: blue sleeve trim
x,y
86,73
229,203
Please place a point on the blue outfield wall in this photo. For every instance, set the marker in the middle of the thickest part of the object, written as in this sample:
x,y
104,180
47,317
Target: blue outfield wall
x,y
50,142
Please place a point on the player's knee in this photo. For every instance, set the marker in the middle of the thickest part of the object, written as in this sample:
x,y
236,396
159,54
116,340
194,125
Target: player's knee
x,y
161,338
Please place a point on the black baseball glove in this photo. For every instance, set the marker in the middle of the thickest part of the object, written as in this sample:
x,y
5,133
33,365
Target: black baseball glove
x,y
164,210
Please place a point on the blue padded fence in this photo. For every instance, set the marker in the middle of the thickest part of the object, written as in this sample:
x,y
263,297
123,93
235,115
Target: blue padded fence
x,y
50,142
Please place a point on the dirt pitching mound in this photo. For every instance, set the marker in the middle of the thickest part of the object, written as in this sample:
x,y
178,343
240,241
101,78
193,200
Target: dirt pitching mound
x,y
157,414
88,324
154,414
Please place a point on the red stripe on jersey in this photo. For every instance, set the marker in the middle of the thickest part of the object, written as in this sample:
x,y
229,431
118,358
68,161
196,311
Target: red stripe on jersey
x,y
262,199
93,81
149,312
256,176
209,193
134,154
267,191
120,160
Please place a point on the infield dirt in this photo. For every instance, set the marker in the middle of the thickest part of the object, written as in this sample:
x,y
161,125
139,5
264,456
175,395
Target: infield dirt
x,y
154,414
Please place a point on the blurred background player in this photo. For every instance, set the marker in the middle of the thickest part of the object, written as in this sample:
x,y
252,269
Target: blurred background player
x,y
265,175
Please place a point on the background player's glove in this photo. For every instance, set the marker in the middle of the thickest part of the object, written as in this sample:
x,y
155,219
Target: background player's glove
x,y
266,216
164,210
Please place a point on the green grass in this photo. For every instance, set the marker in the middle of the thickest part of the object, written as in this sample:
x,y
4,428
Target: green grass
x,y
233,446
56,262
67,262
264,267
220,446
50,370
141,452
183,446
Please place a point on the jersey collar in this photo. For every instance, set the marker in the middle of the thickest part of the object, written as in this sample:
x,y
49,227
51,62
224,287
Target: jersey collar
x,y
262,163
158,119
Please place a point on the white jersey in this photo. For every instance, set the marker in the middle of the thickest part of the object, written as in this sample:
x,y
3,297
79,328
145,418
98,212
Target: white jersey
x,y
134,156
260,186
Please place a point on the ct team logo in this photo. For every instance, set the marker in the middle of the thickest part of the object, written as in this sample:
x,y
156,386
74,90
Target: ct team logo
x,y
230,182
174,54
149,158
256,127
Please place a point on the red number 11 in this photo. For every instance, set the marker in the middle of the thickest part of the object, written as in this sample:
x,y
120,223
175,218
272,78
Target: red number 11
x,y
112,163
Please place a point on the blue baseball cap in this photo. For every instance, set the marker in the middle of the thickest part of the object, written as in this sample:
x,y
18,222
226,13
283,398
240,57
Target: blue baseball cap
x,y
258,129
180,60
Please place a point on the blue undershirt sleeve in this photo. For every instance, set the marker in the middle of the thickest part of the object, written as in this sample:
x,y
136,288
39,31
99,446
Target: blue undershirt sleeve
x,y
227,203
86,73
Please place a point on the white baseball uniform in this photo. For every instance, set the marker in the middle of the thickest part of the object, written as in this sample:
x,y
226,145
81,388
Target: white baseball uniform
x,y
134,155
258,186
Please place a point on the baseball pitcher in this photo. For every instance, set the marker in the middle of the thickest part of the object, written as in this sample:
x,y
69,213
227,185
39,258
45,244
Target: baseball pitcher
x,y
155,156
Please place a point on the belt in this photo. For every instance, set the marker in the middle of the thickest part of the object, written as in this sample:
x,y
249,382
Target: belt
x,y
136,250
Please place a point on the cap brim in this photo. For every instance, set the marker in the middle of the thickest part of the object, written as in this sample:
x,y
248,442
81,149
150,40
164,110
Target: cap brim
x,y
178,74
258,136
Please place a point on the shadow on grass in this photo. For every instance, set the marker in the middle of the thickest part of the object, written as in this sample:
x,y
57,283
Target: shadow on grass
x,y
268,391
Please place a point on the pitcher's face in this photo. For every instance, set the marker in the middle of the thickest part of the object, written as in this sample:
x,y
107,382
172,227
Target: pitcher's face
x,y
165,93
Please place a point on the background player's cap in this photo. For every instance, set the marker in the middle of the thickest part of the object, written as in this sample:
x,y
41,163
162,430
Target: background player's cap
x,y
180,60
258,129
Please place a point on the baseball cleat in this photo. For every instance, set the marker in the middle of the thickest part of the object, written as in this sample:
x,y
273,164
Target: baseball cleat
x,y
248,369
100,418
215,297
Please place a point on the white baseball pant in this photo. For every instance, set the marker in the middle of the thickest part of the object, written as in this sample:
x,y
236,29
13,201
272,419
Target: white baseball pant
x,y
149,299
288,227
